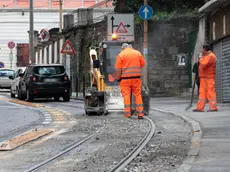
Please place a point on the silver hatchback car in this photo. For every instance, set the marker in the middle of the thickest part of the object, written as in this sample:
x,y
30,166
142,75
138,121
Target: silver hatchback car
x,y
5,81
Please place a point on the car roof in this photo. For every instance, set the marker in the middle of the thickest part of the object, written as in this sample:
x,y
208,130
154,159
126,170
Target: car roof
x,y
40,65
23,68
7,69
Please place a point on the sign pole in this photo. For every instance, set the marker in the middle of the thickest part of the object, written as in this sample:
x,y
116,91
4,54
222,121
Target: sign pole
x,y
31,45
145,49
60,15
11,58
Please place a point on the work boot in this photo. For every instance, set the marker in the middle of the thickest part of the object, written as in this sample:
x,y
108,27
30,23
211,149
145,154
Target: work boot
x,y
212,110
140,117
128,115
197,110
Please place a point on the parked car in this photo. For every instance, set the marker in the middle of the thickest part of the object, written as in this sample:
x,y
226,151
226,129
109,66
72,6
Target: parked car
x,y
44,81
15,81
5,73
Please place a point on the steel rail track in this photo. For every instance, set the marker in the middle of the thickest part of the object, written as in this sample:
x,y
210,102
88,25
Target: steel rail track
x,y
68,149
118,167
125,161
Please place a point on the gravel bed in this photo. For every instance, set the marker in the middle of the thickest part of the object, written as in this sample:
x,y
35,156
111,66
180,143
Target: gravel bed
x,y
167,149
107,149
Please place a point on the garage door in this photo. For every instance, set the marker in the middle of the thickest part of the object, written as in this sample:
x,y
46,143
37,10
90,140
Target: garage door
x,y
226,70
217,50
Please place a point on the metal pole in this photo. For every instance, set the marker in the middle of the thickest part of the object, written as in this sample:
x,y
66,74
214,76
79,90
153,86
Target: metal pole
x,y
60,13
31,33
145,49
11,58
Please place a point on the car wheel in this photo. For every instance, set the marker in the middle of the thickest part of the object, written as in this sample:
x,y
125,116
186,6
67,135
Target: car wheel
x,y
66,97
29,98
56,98
12,95
19,93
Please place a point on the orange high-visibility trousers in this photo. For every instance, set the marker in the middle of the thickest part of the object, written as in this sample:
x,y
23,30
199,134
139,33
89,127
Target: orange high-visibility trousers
x,y
133,86
207,92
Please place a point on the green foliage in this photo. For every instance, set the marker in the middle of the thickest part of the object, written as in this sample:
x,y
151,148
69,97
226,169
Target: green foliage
x,y
164,9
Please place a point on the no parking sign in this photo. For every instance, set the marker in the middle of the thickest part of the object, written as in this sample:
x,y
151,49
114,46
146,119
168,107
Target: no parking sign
x,y
11,45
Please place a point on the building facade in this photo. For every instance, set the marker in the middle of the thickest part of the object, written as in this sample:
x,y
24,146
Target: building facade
x,y
14,21
217,15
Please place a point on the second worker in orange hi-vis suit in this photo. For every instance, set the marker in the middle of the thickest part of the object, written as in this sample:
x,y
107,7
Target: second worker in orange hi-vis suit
x,y
128,71
207,75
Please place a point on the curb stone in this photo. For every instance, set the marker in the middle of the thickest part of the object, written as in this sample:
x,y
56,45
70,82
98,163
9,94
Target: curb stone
x,y
195,141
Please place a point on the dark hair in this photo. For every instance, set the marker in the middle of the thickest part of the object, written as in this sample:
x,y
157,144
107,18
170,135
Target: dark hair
x,y
207,47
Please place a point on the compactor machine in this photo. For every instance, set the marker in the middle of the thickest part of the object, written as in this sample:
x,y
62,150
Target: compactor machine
x,y
104,95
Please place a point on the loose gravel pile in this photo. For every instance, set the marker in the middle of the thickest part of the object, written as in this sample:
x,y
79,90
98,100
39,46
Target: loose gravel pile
x,y
167,149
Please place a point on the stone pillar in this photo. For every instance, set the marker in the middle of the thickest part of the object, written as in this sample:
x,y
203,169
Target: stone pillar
x,y
55,52
40,57
60,54
76,74
50,54
45,55
36,57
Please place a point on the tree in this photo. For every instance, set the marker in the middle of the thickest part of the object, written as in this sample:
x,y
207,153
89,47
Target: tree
x,y
132,6
127,6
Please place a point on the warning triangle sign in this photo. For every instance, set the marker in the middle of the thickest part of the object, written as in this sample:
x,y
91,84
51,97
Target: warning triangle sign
x,y
68,48
121,28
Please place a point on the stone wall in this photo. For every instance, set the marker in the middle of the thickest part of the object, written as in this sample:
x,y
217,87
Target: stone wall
x,y
166,40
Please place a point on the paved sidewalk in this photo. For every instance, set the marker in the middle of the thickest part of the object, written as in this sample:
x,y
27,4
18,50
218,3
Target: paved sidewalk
x,y
214,153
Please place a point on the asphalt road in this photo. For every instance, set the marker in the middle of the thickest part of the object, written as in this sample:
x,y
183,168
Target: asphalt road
x,y
15,119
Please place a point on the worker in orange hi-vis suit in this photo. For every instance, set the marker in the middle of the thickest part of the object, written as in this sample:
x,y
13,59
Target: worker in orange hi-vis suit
x,y
128,72
207,74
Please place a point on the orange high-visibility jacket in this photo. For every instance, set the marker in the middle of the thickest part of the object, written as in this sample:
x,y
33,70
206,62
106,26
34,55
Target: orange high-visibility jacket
x,y
129,64
207,66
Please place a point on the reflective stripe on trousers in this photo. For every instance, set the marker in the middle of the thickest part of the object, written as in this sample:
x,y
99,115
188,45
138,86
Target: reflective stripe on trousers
x,y
207,92
133,86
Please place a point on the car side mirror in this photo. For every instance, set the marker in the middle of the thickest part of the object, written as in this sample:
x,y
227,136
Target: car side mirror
x,y
11,77
21,75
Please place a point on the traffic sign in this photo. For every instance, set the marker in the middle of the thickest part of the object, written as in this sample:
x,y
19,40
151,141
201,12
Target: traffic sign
x,y
11,45
145,12
68,48
121,28
45,35
122,24
2,65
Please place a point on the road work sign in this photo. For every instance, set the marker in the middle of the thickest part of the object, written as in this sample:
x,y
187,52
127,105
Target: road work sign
x,y
68,48
122,25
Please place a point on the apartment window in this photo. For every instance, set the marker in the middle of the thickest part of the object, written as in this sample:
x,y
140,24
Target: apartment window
x,y
224,25
213,30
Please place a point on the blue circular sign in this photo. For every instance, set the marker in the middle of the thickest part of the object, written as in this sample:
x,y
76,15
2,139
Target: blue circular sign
x,y
11,44
145,12
2,65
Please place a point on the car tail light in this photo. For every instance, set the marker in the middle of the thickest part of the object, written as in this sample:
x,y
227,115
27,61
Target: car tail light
x,y
66,78
33,78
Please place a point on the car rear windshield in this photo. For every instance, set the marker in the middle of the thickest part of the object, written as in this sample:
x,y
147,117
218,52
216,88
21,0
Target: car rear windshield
x,y
49,70
6,73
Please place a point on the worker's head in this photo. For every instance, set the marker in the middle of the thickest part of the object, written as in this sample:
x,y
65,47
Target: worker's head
x,y
206,48
124,46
